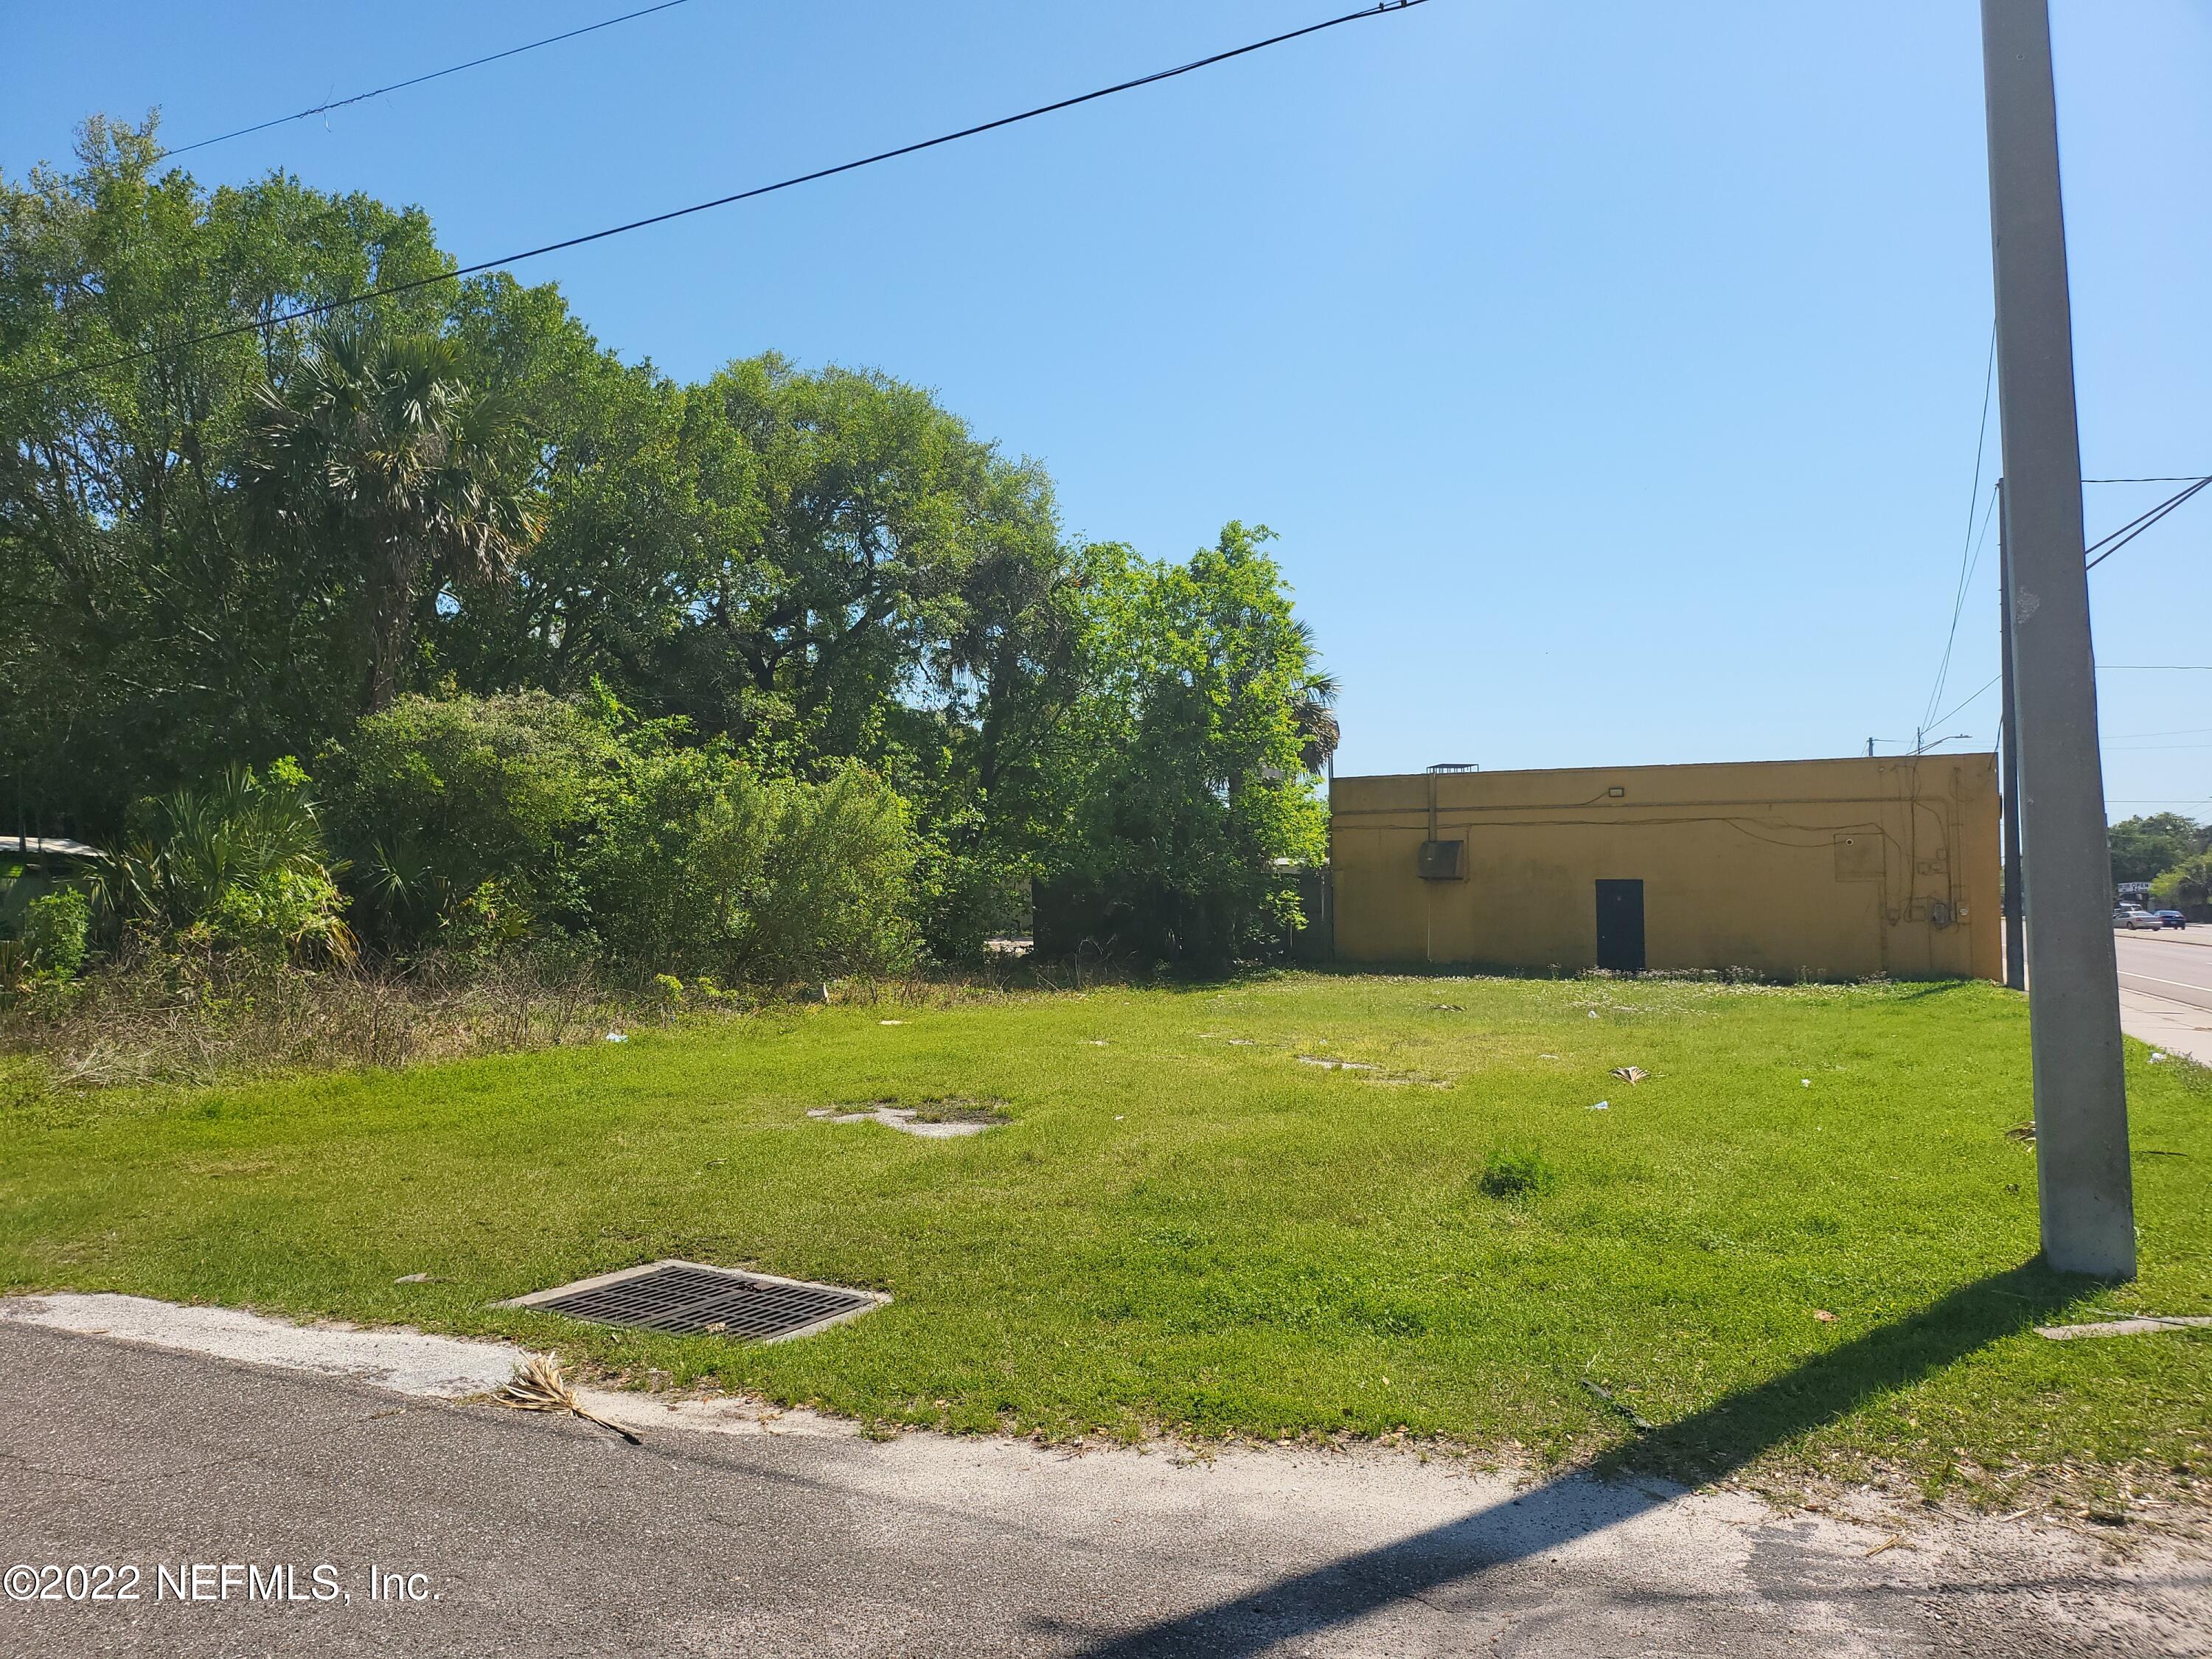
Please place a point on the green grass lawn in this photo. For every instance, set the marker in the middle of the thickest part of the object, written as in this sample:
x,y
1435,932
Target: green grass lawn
x,y
1186,1227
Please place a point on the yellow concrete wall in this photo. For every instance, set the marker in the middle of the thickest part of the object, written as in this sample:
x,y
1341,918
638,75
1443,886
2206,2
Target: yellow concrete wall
x,y
1822,868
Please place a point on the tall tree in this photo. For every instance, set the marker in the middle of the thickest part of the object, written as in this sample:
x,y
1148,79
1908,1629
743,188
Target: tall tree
x,y
146,638
379,454
2144,848
1186,781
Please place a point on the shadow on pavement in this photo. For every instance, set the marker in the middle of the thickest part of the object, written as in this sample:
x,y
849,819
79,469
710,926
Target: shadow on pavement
x,y
1705,1445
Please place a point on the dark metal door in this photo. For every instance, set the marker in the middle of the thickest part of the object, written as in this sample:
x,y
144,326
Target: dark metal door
x,y
1620,926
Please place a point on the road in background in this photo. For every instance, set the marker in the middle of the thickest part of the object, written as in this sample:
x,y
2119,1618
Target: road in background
x,y
2166,989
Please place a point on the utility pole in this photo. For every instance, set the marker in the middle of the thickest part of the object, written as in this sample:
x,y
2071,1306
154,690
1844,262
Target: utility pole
x,y
2015,924
2084,1186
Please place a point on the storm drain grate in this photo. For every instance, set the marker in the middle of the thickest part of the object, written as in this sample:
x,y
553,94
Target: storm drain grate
x,y
687,1299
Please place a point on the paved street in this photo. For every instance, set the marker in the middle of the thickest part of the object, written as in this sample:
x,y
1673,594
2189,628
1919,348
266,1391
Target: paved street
x,y
2166,989
535,1535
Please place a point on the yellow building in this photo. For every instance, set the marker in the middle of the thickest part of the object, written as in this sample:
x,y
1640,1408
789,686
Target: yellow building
x,y
1829,869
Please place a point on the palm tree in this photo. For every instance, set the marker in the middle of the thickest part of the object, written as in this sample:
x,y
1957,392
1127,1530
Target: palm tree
x,y
1313,707
379,450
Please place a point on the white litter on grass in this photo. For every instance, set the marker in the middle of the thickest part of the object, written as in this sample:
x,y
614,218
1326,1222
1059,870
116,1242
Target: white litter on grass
x,y
618,1036
1328,1064
1603,1106
890,1022
2136,1327
907,1121
1094,1042
1593,1013
1804,1082
2156,1057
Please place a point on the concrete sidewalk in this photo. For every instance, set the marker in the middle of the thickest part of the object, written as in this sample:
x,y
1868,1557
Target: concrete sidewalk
x,y
2173,1028
749,1533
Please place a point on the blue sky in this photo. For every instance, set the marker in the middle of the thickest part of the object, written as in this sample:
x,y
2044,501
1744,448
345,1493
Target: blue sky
x,y
1610,371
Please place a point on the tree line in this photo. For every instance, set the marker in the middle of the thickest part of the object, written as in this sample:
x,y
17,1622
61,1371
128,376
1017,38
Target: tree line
x,y
2172,852
416,564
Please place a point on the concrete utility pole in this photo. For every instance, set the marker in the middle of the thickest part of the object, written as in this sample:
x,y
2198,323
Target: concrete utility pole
x,y
2083,1183
2016,925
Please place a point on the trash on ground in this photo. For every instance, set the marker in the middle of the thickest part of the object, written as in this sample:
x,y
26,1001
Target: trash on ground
x,y
2023,1132
1328,1064
890,1022
417,1279
2140,1325
1603,1105
1824,1315
618,1036
2156,1056
1631,1073
539,1386
1804,1082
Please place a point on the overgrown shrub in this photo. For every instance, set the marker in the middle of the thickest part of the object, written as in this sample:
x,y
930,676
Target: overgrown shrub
x,y
49,944
55,930
240,865
698,865
435,799
476,824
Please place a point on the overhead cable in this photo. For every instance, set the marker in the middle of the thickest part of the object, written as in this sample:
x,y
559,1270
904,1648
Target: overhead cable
x,y
385,291
416,81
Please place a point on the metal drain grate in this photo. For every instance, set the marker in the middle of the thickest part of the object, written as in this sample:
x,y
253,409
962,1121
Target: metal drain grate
x,y
686,1298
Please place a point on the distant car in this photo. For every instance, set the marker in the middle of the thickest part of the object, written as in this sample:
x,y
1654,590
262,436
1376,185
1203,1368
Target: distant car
x,y
2171,919
2134,919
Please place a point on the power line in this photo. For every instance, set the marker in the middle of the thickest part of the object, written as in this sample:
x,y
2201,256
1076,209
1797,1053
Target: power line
x,y
2178,479
2157,667
416,81
2127,532
385,291
1956,707
1970,546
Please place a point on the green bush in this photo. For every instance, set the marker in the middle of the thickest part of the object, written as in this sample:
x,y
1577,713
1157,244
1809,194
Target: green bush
x,y
240,865
699,865
478,823
434,797
275,915
55,929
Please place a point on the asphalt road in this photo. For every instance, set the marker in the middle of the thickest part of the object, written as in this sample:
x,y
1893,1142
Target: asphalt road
x,y
2166,989
2175,965
536,1535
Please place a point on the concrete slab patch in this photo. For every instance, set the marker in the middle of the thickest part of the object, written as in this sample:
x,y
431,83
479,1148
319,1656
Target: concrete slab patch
x,y
2141,1325
932,1120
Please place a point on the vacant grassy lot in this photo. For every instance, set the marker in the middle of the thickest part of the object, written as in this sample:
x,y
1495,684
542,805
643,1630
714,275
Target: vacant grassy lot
x,y
1186,1225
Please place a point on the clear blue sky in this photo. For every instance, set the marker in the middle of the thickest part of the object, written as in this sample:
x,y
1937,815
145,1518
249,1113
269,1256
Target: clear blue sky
x,y
1610,370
